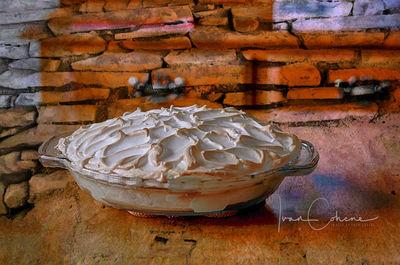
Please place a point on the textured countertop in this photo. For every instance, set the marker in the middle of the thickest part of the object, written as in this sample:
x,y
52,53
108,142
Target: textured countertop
x,y
358,176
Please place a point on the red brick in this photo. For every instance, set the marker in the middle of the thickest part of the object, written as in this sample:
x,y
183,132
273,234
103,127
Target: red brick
x,y
261,97
392,41
375,73
218,38
54,97
299,55
315,93
128,105
383,58
121,19
120,62
105,79
342,40
76,44
161,44
73,113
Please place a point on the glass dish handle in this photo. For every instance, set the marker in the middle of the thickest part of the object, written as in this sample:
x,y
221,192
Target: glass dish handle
x,y
48,155
305,163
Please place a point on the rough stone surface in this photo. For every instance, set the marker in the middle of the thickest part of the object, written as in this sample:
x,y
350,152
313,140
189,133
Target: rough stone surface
x,y
392,3
36,15
299,55
201,57
155,31
24,33
365,7
375,73
351,23
36,64
214,21
75,113
41,185
16,195
20,5
34,136
5,101
315,93
28,99
11,131
19,79
218,38
13,51
16,118
9,163
76,44
113,5
173,43
121,19
257,97
3,207
92,6
382,58
3,65
392,41
29,155
245,24
53,97
343,40
148,3
84,231
117,62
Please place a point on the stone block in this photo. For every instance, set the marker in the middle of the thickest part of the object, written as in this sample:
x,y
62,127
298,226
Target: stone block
x,y
155,31
351,23
76,44
121,19
219,38
34,136
55,97
315,93
92,6
343,40
173,43
245,24
29,155
16,118
9,163
36,64
16,195
392,41
120,62
20,5
300,55
13,51
19,79
257,97
67,113
381,58
3,65
114,5
28,99
367,8
374,73
3,207
195,56
24,33
41,185
258,13
151,3
5,101
35,15
214,21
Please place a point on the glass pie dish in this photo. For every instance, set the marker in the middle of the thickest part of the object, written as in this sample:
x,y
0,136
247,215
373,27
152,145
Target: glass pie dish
x,y
205,194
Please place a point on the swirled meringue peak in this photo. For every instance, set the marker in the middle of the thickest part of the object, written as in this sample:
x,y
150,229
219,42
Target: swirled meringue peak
x,y
170,143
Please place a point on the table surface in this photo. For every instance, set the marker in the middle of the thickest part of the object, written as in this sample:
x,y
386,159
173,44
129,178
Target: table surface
x,y
358,177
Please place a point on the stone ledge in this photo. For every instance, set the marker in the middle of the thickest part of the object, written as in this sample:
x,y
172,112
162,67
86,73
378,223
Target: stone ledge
x,y
342,40
173,43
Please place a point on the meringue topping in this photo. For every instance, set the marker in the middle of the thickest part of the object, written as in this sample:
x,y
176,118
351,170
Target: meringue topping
x,y
170,143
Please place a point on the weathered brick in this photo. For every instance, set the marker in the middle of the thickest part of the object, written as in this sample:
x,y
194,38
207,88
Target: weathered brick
x,y
120,62
218,38
343,40
16,117
54,97
214,21
347,23
92,6
315,93
105,79
299,55
172,43
259,97
326,112
128,105
375,73
259,13
13,51
34,136
73,113
392,41
36,64
382,58
121,19
76,44
36,15
155,31
245,24
194,56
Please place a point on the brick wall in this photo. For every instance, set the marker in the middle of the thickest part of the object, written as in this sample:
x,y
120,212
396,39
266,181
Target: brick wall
x,y
67,63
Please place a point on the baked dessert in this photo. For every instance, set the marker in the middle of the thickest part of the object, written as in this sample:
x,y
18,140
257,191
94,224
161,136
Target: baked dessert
x,y
197,159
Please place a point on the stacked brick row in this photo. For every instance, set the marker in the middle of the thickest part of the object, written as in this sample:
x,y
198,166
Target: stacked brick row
x,y
67,63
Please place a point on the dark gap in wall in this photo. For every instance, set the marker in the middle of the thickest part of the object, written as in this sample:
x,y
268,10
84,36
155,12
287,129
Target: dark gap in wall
x,y
21,211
